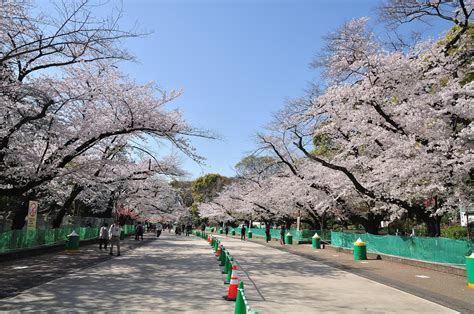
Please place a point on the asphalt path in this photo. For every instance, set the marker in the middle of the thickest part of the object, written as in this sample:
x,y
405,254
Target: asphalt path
x,y
181,274
171,274
280,282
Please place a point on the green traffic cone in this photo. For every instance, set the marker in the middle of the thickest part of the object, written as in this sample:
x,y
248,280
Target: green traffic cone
x,y
222,257
226,264
229,272
240,307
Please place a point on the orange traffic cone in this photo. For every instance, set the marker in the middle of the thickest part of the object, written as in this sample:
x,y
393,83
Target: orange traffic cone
x,y
209,239
233,286
218,253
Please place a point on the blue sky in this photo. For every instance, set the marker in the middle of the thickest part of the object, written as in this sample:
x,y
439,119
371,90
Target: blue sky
x,y
236,61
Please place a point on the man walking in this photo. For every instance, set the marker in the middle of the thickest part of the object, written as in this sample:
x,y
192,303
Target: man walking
x,y
114,236
139,231
267,232
188,229
242,232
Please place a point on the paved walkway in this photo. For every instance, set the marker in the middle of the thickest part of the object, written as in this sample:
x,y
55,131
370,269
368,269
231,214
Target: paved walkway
x,y
180,274
449,290
171,274
280,282
17,275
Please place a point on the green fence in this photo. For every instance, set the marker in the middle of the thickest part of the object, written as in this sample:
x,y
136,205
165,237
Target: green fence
x,y
128,229
298,235
438,250
23,239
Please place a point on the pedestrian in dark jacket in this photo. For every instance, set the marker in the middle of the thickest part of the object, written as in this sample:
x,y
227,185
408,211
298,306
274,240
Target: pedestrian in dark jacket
x,y
282,235
242,232
267,232
139,231
189,228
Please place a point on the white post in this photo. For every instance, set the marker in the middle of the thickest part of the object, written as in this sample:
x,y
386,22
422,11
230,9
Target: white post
x,y
298,221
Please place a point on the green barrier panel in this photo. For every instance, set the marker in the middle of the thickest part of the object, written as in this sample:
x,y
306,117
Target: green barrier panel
x,y
301,235
438,250
22,239
88,233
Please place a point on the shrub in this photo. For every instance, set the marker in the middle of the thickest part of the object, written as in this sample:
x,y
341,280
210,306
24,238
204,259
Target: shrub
x,y
454,232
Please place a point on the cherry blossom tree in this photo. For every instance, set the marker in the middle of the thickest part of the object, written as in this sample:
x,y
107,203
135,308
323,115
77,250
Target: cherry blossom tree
x,y
72,125
398,126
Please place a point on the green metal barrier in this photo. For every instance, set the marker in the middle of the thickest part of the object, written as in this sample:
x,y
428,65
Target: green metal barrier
x,y
438,250
128,229
23,239
301,235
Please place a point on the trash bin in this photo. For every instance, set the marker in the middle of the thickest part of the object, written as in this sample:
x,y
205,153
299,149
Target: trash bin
x,y
221,231
288,238
316,241
470,270
250,234
360,250
72,241
232,232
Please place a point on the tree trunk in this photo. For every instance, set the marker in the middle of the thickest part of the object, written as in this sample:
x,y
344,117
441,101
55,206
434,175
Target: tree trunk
x,y
20,215
373,223
76,190
433,225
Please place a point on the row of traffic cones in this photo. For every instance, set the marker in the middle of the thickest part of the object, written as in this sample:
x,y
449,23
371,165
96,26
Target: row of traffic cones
x,y
235,291
230,268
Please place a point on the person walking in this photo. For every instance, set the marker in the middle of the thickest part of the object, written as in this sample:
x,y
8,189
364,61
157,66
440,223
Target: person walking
x,y
226,230
103,236
139,231
114,237
188,229
282,235
242,232
267,232
159,227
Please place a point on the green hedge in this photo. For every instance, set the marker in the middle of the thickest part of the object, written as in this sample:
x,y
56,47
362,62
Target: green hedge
x,y
454,232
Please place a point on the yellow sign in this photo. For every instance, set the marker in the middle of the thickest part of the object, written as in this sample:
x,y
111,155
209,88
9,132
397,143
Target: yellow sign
x,y
32,212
